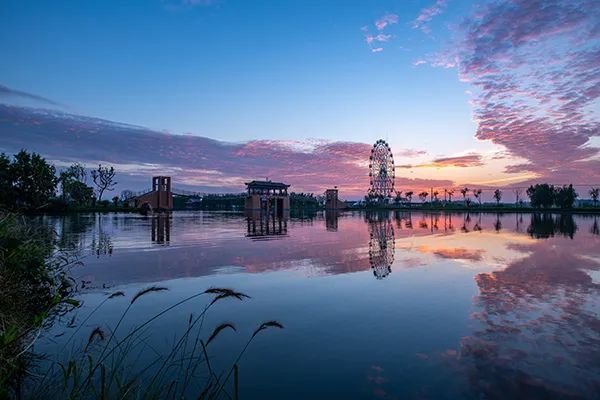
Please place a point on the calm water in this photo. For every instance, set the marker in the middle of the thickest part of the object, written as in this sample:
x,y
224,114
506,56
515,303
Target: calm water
x,y
391,306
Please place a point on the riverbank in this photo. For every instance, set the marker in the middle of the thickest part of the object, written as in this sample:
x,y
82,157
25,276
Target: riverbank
x,y
484,209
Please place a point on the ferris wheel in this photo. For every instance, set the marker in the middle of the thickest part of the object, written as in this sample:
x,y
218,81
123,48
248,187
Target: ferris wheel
x,y
381,246
381,170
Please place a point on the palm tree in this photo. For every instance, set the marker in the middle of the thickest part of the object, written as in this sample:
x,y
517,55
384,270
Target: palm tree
x,y
464,192
498,196
595,193
423,196
409,196
450,194
477,194
398,197
435,195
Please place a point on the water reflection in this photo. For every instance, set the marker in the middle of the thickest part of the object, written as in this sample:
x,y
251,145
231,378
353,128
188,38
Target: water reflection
x,y
546,225
331,220
161,228
266,228
381,244
539,335
510,301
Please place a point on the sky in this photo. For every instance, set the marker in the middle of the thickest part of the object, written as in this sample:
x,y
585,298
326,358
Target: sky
x,y
216,93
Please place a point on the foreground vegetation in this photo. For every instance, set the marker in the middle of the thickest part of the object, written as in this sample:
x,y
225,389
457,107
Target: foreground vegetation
x,y
37,292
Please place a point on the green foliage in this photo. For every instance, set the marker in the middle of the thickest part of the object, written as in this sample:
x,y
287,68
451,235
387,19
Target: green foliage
x,y
565,196
541,195
497,196
34,288
545,195
26,182
303,200
74,187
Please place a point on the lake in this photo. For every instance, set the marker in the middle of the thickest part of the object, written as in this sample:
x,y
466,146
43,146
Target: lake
x,y
390,305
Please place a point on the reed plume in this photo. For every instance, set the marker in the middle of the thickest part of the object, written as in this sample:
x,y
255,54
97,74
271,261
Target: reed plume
x,y
218,330
146,291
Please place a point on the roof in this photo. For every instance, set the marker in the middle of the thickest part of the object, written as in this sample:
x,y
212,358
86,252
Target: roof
x,y
267,185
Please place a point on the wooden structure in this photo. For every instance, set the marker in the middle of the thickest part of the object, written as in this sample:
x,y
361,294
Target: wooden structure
x,y
332,202
267,197
160,197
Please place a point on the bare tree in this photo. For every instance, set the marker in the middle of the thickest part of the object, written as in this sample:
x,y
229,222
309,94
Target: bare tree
x,y
518,192
104,179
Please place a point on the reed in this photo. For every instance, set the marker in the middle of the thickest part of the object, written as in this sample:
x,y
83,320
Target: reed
x,y
108,366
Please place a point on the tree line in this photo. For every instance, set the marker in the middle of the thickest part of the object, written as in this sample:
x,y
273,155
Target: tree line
x,y
540,196
29,183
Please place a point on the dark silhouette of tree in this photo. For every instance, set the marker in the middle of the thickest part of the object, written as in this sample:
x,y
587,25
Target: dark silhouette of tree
x,y
398,198
541,195
518,193
409,196
104,179
6,182
127,195
423,196
450,193
477,194
73,184
33,180
464,192
594,194
565,196
435,195
497,196
115,201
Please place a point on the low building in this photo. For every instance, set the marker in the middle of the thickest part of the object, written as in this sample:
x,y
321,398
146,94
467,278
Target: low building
x,y
267,197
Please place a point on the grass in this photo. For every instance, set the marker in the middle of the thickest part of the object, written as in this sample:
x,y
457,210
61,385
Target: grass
x,y
106,367
35,290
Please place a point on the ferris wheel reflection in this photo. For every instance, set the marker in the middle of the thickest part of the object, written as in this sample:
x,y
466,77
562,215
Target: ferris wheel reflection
x,y
381,244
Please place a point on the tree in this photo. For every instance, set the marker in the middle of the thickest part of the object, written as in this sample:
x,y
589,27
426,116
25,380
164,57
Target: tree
x,y
594,194
450,193
477,194
103,178
6,182
498,196
398,198
541,195
409,196
423,196
33,180
127,195
464,192
435,195
565,196
74,187
115,201
518,192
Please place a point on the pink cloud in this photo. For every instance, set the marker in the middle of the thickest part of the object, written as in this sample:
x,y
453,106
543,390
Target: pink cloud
x,y
195,162
534,67
387,19
427,15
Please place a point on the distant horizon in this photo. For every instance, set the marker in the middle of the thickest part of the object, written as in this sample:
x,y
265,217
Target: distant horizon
x,y
483,94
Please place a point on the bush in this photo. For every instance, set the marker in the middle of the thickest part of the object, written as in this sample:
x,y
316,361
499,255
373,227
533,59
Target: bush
x,y
34,288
